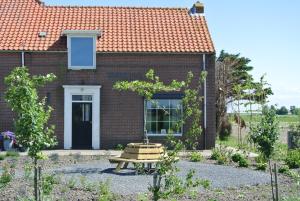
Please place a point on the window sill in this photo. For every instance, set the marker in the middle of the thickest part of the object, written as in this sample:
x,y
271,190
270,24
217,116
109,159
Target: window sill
x,y
163,135
82,69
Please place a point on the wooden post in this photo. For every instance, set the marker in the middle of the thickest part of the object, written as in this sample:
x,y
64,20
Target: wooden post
x,y
276,182
271,173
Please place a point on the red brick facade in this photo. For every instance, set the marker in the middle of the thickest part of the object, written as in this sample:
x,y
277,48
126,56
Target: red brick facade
x,y
121,113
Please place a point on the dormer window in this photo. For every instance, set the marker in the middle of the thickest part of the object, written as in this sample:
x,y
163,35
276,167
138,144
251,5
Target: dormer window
x,y
82,49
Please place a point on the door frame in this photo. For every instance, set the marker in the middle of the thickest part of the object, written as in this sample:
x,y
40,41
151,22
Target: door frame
x,y
94,91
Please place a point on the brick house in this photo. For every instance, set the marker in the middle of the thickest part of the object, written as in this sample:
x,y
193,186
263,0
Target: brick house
x,y
90,48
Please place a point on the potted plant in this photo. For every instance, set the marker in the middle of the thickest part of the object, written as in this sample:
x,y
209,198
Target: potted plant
x,y
8,140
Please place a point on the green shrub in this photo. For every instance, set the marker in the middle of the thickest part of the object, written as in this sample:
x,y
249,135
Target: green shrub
x,y
105,193
293,158
243,162
261,166
71,183
236,157
221,154
196,157
215,154
284,169
12,154
48,182
2,157
225,129
119,147
260,159
5,177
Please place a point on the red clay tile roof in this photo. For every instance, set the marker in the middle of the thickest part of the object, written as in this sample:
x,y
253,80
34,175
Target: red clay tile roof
x,y
124,29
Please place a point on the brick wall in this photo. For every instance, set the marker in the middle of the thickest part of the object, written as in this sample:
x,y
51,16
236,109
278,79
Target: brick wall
x,y
121,115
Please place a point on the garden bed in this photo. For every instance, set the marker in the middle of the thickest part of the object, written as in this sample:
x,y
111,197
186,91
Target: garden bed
x,y
77,178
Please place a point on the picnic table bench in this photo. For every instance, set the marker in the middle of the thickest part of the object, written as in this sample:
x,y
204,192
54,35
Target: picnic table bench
x,y
138,153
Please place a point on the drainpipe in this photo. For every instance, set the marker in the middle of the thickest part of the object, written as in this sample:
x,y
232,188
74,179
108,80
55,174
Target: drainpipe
x,y
205,100
23,58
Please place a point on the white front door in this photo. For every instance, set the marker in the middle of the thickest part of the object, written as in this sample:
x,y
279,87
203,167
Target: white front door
x,y
81,96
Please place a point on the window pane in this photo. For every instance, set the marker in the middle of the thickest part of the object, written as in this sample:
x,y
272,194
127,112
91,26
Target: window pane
x,y
151,127
163,115
175,114
176,104
152,104
162,127
151,115
82,98
82,52
163,103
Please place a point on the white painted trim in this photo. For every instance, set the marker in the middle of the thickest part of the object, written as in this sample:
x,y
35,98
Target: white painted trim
x,y
163,135
70,90
69,45
81,32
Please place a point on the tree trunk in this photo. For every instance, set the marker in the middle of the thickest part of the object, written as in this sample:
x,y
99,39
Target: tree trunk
x,y
271,173
276,182
36,194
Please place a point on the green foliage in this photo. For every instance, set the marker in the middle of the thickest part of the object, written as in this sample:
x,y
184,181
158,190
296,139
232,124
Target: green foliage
x,y
225,129
261,166
282,111
2,157
6,176
196,157
148,88
221,154
294,132
243,162
71,183
191,101
119,147
105,193
27,170
48,182
265,133
283,169
293,158
142,197
12,154
237,157
32,114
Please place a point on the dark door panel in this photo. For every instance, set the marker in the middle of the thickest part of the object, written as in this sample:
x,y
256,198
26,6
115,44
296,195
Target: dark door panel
x,y
82,125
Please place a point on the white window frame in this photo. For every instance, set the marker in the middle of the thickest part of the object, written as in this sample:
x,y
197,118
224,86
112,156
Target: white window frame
x,y
158,134
70,36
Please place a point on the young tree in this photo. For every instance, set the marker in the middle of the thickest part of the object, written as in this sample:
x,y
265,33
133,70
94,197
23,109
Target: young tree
x,y
264,135
32,115
232,70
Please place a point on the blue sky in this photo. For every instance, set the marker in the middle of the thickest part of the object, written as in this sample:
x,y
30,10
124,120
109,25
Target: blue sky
x,y
266,31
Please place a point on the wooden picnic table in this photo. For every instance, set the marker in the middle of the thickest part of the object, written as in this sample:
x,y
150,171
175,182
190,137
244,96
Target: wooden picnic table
x,y
138,153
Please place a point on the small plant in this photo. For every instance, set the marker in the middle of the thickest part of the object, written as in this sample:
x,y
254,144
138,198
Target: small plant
x,y
222,155
261,166
28,170
2,157
142,197
71,183
105,193
12,154
6,176
236,157
196,157
119,147
284,169
48,182
243,162
293,158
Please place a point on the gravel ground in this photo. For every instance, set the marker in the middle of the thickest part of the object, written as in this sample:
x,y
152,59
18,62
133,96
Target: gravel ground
x,y
228,182
127,182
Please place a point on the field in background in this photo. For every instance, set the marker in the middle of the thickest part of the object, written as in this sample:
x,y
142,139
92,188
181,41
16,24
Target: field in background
x,y
285,121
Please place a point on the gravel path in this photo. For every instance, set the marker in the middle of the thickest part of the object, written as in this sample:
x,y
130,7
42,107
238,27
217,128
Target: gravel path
x,y
127,182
